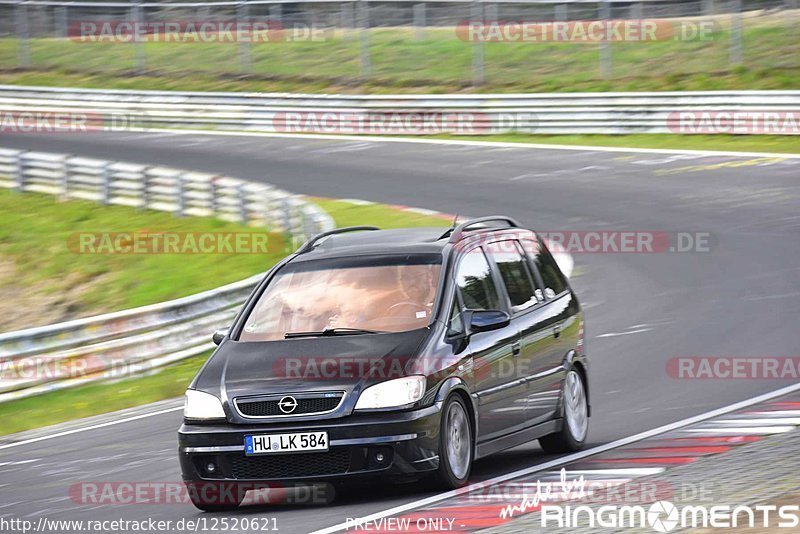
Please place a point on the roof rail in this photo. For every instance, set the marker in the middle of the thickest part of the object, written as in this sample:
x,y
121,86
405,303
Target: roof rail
x,y
457,233
309,245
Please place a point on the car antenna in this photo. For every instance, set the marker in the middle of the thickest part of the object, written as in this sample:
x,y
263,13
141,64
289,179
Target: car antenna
x,y
450,230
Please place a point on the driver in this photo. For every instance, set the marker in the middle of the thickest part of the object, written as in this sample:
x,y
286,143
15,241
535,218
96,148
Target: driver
x,y
417,286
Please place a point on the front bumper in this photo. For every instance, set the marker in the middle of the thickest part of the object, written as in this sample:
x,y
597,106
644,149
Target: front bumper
x,y
407,440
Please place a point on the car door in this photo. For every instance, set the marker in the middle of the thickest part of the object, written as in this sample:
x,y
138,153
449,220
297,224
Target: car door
x,y
557,330
530,315
500,395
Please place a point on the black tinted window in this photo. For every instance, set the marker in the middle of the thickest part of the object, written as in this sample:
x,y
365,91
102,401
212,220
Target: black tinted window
x,y
475,282
554,282
514,271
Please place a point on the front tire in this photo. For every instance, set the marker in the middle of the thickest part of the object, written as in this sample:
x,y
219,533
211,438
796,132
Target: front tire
x,y
575,427
455,445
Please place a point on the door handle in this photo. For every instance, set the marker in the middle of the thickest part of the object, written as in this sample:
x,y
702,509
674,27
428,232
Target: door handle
x,y
516,347
556,331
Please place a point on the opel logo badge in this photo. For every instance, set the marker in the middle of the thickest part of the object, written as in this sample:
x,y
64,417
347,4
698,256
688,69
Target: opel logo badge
x,y
287,404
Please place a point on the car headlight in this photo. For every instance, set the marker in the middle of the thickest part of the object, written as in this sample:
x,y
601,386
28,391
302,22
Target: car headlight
x,y
200,405
392,393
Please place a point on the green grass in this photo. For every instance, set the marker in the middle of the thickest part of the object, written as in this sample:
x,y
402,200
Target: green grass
x,y
170,381
786,144
381,215
439,63
35,232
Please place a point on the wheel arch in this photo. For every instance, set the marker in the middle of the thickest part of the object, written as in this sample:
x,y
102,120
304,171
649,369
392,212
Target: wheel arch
x,y
456,386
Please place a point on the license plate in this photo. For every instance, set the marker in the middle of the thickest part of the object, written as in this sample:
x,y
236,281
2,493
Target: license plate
x,y
278,443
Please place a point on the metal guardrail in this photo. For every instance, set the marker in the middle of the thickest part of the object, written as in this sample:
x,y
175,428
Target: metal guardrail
x,y
135,341
161,188
546,113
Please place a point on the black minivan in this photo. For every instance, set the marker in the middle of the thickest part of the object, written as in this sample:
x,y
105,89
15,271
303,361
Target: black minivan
x,y
406,353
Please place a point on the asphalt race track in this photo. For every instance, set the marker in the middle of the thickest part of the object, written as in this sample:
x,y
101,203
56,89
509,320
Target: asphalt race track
x,y
740,299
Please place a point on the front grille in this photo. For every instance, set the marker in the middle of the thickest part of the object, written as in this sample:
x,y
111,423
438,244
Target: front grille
x,y
306,404
334,462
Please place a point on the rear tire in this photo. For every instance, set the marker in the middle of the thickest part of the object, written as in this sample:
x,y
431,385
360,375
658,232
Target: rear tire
x,y
575,411
455,445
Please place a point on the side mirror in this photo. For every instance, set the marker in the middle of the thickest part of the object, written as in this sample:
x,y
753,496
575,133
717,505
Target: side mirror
x,y
218,336
487,320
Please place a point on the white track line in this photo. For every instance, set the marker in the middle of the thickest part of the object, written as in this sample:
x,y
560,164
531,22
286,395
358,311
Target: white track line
x,y
558,461
90,427
487,144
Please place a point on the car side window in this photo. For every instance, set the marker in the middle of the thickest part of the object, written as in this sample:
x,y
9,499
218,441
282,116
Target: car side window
x,y
475,282
515,272
553,279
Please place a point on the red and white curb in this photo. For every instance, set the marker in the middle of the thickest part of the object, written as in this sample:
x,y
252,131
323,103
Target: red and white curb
x,y
487,504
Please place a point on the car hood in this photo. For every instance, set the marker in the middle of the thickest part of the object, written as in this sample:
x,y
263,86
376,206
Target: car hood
x,y
325,363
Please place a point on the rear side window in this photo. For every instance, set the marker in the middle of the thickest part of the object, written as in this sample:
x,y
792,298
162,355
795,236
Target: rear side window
x,y
515,272
474,280
554,281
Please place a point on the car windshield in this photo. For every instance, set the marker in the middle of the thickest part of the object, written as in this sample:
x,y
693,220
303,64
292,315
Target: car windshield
x,y
392,293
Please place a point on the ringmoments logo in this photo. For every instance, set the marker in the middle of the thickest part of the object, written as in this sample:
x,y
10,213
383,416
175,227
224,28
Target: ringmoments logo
x,y
664,516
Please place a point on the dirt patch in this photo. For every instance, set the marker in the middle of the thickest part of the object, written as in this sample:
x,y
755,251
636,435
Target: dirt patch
x,y
27,305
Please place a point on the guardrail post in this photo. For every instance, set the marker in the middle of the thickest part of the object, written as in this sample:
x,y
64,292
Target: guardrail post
x,y
736,51
23,36
605,44
276,13
708,8
478,71
348,20
182,179
308,223
636,11
139,44
214,201
286,208
105,183
419,22
19,172
490,11
145,188
65,178
245,59
365,61
242,193
62,24
560,12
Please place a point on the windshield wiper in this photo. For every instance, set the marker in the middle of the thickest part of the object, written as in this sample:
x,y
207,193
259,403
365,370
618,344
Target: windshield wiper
x,y
334,332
